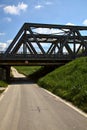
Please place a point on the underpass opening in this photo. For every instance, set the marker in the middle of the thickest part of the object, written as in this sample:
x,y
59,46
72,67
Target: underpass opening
x,y
30,74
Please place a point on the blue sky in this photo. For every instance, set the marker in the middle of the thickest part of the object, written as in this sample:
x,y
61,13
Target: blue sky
x,y
14,13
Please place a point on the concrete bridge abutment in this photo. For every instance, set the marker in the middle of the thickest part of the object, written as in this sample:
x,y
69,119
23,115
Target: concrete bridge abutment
x,y
5,73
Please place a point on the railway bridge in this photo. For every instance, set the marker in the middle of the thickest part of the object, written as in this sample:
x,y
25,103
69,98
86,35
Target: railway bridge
x,y
45,44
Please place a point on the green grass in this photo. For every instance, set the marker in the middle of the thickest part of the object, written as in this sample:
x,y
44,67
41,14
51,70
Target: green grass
x,y
27,70
3,83
69,82
1,91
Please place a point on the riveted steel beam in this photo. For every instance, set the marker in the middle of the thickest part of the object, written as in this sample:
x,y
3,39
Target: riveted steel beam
x,y
38,25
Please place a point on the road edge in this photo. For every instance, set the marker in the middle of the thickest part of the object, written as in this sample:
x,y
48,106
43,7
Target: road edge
x,y
3,93
67,103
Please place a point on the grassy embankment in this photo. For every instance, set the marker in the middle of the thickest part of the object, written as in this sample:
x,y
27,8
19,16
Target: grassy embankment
x,y
3,84
27,70
68,81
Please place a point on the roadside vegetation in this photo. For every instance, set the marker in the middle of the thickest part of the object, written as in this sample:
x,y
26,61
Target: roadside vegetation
x,y
68,81
3,84
27,70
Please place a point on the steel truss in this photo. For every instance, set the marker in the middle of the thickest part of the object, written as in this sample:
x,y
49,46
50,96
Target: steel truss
x,y
48,42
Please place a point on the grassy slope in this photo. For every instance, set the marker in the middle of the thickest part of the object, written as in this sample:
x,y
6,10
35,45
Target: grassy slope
x,y
69,82
27,70
3,84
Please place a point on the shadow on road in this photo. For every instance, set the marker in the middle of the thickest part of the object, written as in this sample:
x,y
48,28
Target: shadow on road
x,y
21,80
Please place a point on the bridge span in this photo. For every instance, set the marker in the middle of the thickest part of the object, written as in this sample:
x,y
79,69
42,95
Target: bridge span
x,y
45,44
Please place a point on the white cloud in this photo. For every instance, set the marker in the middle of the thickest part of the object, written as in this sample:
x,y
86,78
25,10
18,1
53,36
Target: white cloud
x,y
39,6
8,19
42,30
2,34
22,6
70,24
3,46
51,31
11,10
48,3
15,10
85,22
42,4
9,41
48,31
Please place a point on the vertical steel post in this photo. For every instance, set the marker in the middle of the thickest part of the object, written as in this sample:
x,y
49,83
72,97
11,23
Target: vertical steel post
x,y
24,48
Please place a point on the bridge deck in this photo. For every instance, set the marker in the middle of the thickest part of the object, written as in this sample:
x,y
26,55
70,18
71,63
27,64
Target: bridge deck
x,y
40,59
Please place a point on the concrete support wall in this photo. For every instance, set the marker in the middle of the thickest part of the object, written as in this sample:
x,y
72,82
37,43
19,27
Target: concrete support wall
x,y
2,74
5,73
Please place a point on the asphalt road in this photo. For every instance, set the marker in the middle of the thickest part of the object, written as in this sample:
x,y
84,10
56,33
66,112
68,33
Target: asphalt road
x,y
25,106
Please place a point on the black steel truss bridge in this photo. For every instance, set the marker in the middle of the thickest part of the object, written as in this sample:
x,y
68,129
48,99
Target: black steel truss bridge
x,y
45,44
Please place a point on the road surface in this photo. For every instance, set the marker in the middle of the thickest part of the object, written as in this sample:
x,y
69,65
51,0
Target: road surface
x,y
25,106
